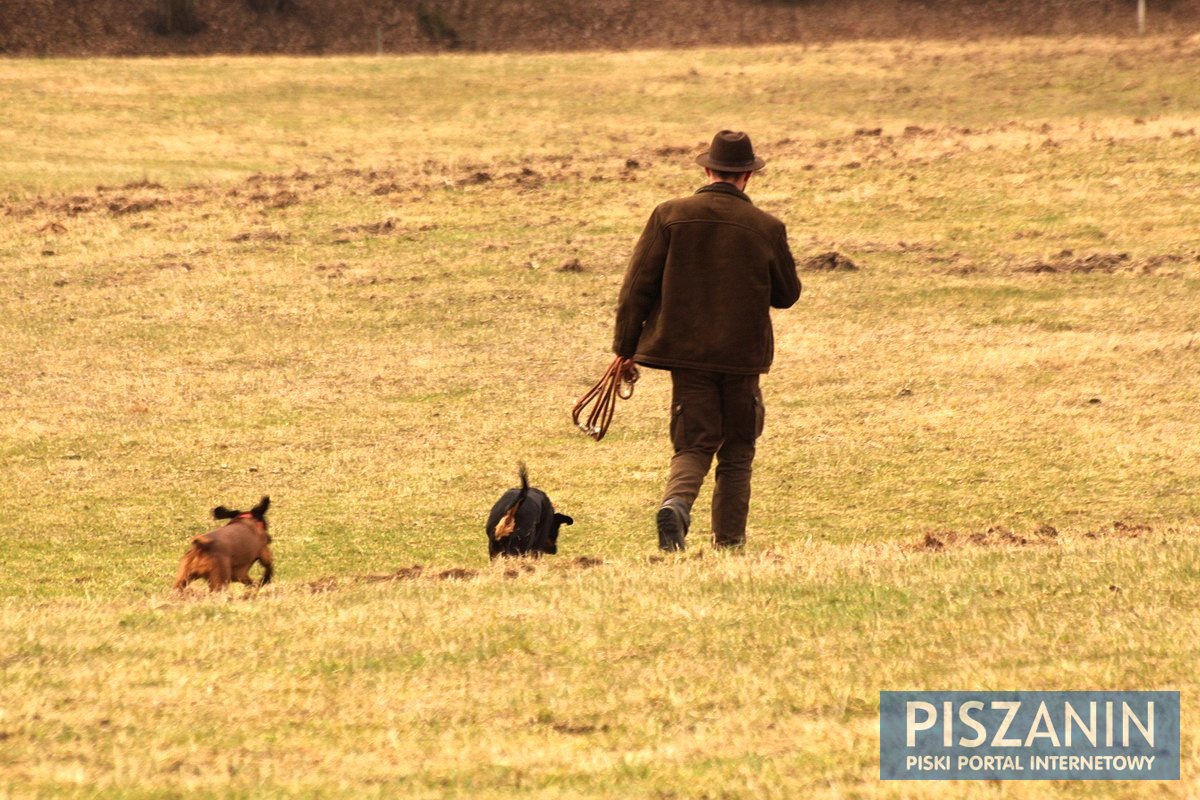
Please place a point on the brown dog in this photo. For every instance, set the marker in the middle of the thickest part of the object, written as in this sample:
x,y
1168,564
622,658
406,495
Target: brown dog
x,y
228,552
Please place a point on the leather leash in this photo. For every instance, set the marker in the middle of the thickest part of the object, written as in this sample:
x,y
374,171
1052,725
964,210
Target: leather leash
x,y
618,381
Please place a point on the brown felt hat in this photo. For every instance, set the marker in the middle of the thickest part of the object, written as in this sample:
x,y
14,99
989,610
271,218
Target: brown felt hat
x,y
731,151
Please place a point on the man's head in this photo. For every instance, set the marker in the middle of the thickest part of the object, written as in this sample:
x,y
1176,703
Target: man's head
x,y
738,179
730,158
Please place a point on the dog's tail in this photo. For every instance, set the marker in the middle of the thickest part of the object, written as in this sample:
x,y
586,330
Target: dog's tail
x,y
509,524
203,542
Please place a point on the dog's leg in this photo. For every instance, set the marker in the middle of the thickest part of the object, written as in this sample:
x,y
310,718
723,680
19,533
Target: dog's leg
x,y
242,575
218,576
181,580
268,562
188,569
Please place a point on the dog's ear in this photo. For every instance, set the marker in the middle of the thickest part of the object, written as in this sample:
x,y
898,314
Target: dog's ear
x,y
260,510
221,512
563,519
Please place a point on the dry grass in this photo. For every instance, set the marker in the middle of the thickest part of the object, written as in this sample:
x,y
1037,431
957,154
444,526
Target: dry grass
x,y
755,676
338,282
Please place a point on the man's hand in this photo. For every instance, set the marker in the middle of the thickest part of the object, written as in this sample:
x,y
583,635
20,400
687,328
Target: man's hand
x,y
628,372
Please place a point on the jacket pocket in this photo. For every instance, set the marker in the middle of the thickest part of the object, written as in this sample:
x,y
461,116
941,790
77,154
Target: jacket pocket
x,y
760,413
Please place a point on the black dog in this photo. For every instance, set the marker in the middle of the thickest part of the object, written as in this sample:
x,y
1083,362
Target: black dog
x,y
524,522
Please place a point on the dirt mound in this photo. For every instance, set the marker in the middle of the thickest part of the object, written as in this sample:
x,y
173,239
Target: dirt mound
x,y
198,27
419,572
995,536
829,262
999,536
132,198
1067,262
1120,530
415,572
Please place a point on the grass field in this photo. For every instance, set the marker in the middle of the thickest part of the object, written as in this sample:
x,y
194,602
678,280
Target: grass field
x,y
341,282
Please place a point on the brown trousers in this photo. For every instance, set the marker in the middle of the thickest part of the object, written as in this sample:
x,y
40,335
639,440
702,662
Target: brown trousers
x,y
714,413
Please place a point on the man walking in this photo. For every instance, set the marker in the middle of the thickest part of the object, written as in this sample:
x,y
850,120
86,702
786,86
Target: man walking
x,y
697,301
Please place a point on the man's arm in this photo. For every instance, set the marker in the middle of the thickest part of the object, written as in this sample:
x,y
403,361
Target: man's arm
x,y
642,287
785,283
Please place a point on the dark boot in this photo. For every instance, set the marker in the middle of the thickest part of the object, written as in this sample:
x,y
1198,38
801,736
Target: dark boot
x,y
673,520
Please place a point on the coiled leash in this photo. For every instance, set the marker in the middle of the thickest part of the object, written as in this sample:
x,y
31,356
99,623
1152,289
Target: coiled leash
x,y
618,381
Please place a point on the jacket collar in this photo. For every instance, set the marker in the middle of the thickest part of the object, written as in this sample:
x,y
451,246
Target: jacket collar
x,y
721,187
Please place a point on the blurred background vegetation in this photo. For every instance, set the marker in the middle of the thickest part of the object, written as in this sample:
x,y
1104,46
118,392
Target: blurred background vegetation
x,y
195,27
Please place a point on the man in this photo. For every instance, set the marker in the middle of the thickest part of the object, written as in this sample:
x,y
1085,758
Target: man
x,y
697,301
